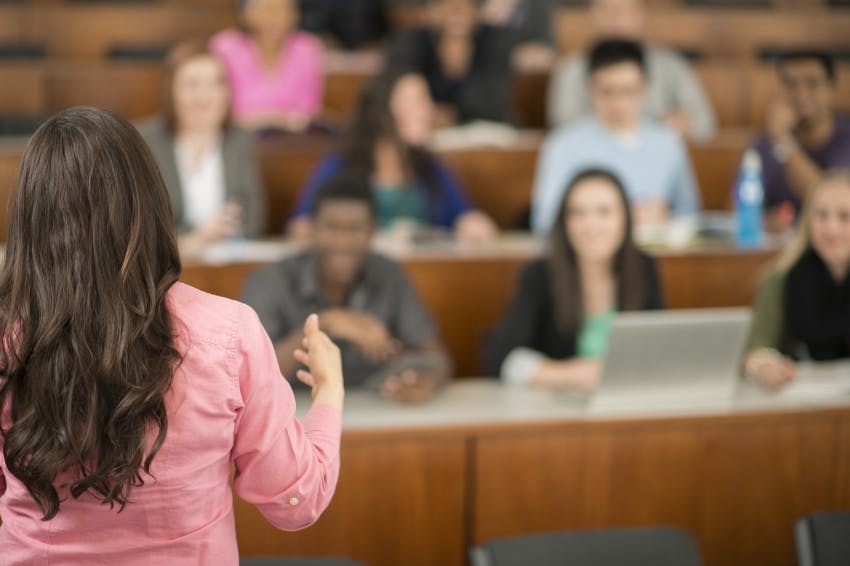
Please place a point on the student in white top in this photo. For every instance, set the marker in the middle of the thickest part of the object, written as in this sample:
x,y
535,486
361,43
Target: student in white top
x,y
209,165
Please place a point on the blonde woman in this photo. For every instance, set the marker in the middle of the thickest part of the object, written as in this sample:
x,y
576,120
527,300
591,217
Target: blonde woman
x,y
802,311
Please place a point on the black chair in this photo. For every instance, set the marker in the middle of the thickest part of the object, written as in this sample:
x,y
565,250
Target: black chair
x,y
660,546
281,561
823,539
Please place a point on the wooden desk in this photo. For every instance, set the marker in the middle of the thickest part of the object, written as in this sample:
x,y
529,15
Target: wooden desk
x,y
467,289
420,484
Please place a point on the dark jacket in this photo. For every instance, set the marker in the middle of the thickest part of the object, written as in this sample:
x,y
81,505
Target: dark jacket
x,y
241,174
530,320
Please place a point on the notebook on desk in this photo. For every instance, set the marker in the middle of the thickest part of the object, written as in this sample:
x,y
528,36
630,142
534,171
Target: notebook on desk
x,y
672,359
819,381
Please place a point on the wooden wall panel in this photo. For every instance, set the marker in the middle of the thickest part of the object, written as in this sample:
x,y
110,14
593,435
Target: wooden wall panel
x,y
399,501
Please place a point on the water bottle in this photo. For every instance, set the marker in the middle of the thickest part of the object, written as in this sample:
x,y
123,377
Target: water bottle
x,y
749,202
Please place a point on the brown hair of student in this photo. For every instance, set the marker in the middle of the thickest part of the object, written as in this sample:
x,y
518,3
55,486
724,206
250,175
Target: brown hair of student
x,y
177,57
88,341
628,265
372,121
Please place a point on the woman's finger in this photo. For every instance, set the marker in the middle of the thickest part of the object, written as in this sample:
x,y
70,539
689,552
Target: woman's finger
x,y
306,377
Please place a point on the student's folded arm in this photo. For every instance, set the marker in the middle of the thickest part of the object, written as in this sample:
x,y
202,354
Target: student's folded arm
x,y
287,468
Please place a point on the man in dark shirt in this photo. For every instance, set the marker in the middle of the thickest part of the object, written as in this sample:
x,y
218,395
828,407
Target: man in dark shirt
x,y
365,301
804,136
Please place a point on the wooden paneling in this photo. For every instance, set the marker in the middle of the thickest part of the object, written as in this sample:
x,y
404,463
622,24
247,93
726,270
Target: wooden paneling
x,y
721,32
712,279
23,89
739,485
399,501
129,89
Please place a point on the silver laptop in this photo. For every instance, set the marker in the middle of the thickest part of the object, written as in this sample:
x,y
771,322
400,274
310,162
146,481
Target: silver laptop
x,y
672,358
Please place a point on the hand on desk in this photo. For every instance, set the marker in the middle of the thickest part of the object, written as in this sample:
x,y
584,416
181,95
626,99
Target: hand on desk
x,y
364,331
580,374
475,226
412,386
770,368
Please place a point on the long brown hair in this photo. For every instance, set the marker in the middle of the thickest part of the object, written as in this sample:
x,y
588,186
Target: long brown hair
x,y
628,266
88,342
373,121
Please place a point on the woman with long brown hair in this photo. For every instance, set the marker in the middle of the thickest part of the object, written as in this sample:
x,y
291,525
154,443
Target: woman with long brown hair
x,y
387,143
126,395
555,331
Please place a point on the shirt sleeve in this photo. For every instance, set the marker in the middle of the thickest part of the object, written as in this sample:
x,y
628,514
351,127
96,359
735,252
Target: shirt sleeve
x,y
311,79
684,195
286,468
252,193
413,326
520,326
691,98
326,168
767,325
553,171
453,196
264,292
566,93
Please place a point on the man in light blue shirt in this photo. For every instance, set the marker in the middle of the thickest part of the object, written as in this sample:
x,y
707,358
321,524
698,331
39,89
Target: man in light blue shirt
x,y
650,159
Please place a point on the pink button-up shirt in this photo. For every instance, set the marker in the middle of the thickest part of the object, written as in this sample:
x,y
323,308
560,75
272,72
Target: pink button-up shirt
x,y
228,404
294,87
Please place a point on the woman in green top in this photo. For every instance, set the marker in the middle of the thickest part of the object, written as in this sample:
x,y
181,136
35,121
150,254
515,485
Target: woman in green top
x,y
802,311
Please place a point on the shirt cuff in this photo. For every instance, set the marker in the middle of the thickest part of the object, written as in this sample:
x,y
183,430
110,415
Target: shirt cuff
x,y
520,366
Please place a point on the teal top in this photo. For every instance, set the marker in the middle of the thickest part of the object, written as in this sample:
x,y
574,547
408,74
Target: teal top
x,y
401,203
592,340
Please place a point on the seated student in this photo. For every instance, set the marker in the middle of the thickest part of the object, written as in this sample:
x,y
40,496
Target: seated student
x,y
276,72
530,25
386,143
674,95
650,159
208,165
804,135
467,65
556,329
365,302
352,24
802,311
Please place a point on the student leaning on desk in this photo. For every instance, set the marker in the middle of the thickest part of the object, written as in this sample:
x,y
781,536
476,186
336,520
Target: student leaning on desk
x,y
364,300
802,310
555,331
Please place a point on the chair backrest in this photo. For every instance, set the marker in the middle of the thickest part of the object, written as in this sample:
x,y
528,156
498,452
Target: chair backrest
x,y
823,539
663,546
285,561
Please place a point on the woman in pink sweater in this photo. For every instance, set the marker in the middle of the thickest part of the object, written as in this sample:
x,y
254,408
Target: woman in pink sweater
x,y
126,396
276,72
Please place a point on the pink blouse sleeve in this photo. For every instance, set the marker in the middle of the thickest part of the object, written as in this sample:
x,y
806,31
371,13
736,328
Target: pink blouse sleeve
x,y
312,73
287,469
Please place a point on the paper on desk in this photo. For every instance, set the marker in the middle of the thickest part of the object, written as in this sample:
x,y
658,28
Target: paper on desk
x,y
246,251
820,381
